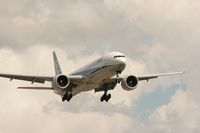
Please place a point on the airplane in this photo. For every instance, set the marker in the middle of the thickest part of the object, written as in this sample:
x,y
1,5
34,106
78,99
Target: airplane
x,y
101,75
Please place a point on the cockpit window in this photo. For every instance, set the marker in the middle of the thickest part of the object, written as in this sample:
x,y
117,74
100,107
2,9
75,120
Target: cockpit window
x,y
118,56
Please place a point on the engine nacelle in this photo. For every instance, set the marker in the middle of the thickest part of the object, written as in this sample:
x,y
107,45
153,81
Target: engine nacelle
x,y
60,82
129,83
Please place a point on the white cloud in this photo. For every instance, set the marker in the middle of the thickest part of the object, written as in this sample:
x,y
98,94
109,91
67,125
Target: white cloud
x,y
158,36
181,112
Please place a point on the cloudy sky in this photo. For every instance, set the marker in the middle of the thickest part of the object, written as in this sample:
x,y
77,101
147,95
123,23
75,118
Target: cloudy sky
x,y
157,36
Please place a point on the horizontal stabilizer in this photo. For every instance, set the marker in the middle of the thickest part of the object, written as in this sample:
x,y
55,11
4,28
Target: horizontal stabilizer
x,y
36,88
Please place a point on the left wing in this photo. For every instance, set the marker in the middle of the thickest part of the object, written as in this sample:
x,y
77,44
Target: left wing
x,y
148,77
33,79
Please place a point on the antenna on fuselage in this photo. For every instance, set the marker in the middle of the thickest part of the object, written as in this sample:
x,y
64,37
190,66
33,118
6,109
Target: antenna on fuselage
x,y
56,64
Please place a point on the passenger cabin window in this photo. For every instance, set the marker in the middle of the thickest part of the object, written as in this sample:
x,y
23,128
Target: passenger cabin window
x,y
118,56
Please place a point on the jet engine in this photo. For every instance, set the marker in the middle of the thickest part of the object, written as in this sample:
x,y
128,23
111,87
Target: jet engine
x,y
129,83
60,82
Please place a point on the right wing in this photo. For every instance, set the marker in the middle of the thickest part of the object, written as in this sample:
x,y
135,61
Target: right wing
x,y
36,88
40,79
74,79
33,79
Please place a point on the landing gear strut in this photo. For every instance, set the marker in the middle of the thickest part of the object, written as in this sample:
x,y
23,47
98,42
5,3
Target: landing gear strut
x,y
67,96
117,73
105,97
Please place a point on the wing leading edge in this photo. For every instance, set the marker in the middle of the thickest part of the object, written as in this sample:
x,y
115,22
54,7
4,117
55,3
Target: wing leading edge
x,y
33,79
40,79
36,88
148,77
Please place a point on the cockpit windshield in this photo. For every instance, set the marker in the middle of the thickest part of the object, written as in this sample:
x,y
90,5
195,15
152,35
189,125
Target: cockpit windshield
x,y
119,56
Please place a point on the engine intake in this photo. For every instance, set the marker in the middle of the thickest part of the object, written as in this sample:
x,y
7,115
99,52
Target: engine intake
x,y
60,82
129,83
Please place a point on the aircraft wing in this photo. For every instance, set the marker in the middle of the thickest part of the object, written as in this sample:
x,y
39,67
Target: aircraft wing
x,y
36,88
148,77
33,79
39,79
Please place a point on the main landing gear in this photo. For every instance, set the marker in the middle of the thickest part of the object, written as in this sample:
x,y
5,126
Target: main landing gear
x,y
105,97
67,96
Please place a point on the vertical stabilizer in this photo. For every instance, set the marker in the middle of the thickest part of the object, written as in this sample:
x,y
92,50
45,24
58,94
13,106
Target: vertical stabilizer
x,y
56,64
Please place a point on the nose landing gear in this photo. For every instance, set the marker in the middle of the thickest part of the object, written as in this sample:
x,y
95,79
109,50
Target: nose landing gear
x,y
118,73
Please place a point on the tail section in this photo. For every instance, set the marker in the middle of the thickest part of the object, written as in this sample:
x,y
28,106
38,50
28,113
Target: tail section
x,y
56,64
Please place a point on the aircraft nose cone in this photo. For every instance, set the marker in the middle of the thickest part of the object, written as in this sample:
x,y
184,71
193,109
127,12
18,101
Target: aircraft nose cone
x,y
121,64
121,61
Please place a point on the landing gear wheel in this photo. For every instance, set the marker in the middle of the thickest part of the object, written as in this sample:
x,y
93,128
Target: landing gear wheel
x,y
102,99
64,98
105,97
108,97
67,97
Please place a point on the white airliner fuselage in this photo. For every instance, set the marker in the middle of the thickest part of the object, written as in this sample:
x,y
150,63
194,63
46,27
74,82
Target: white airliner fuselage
x,y
100,75
98,71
